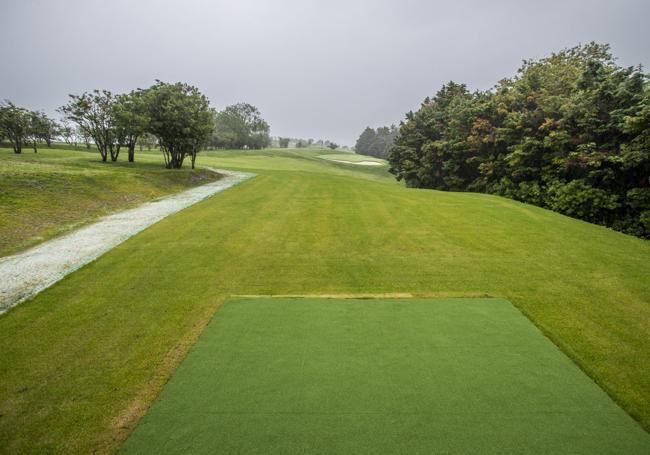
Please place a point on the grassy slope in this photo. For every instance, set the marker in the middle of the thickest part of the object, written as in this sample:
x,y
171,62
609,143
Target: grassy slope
x,y
379,376
46,194
84,358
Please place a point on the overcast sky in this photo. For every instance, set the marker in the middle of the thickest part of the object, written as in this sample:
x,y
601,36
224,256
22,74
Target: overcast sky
x,y
321,69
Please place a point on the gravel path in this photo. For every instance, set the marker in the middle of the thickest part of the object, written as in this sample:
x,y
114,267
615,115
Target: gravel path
x,y
26,274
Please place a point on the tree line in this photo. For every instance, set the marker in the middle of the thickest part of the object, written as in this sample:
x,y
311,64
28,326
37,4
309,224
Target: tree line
x,y
240,126
176,118
21,126
570,132
286,142
376,142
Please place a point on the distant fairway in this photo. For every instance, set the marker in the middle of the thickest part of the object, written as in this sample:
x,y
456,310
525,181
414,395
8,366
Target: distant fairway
x,y
381,376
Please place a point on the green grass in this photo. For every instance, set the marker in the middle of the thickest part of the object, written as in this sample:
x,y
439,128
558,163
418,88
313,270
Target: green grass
x,y
381,376
84,359
46,194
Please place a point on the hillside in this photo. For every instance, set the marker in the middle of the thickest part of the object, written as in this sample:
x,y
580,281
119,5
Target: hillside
x,y
46,194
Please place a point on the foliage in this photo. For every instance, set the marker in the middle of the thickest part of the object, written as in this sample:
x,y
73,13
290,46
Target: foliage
x,y
283,142
175,116
70,134
131,119
22,126
40,128
94,113
570,132
303,143
377,142
240,126
331,145
14,123
147,141
181,118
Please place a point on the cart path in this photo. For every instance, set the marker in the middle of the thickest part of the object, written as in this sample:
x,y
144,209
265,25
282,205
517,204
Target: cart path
x,y
26,274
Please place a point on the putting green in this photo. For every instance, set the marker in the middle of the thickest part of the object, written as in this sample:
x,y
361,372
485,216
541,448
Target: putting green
x,y
380,376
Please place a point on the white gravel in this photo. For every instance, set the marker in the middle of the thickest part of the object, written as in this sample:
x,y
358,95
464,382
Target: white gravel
x,y
26,274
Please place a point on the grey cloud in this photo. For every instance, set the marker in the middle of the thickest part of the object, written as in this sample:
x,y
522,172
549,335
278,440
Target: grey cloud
x,y
321,69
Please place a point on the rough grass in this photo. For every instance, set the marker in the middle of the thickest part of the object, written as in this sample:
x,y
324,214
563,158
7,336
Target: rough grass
x,y
83,359
46,194
380,376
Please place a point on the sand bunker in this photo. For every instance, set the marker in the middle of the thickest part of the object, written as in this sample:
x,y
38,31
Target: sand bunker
x,y
26,274
361,163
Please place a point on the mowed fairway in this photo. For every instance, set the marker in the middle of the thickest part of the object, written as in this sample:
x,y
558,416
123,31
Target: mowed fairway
x,y
381,376
83,360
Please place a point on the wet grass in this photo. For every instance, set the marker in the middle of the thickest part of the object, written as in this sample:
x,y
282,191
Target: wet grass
x,y
380,376
84,359
49,193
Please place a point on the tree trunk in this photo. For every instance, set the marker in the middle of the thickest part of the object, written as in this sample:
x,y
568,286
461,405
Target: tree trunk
x,y
132,152
102,152
175,160
18,147
34,146
115,152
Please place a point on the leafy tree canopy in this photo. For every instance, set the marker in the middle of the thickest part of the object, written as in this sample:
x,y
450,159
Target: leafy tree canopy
x,y
181,118
240,126
570,132
377,142
93,112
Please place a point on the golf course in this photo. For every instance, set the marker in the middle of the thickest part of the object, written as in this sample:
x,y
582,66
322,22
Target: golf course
x,y
321,307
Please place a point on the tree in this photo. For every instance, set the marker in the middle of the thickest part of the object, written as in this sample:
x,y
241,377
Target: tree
x,y
570,132
182,120
14,122
34,128
94,114
240,126
283,142
69,134
376,143
365,140
41,128
53,131
147,141
131,119
331,145
82,135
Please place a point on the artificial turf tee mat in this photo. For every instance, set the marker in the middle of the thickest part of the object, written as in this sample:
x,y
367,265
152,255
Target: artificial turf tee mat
x,y
371,376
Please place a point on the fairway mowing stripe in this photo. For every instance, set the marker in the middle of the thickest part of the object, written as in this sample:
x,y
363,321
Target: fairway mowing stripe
x,y
325,375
